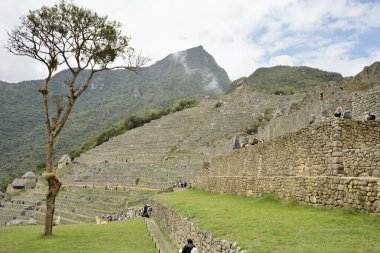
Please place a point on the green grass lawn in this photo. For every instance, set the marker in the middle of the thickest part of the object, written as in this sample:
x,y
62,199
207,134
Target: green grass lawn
x,y
125,236
269,225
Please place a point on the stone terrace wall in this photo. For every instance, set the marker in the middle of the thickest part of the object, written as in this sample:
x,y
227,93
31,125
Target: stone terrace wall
x,y
317,165
179,229
359,148
360,194
367,102
312,104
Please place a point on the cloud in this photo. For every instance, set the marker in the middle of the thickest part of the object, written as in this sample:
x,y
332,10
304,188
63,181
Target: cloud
x,y
180,57
241,35
209,80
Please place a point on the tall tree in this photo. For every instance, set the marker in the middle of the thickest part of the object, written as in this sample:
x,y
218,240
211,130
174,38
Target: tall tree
x,y
78,39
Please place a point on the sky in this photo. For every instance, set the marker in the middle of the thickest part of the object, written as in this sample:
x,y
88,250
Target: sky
x,y
242,35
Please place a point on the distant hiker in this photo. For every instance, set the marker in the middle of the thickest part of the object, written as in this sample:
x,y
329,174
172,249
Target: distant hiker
x,y
146,211
188,247
312,120
255,141
368,116
338,112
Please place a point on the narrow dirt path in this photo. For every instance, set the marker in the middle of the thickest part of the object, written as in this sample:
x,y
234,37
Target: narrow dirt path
x,y
162,241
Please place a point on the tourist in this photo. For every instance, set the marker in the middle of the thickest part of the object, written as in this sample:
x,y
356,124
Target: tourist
x,y
312,120
188,247
338,112
347,114
146,211
368,116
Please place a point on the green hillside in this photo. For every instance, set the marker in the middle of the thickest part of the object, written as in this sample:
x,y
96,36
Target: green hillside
x,y
288,80
113,96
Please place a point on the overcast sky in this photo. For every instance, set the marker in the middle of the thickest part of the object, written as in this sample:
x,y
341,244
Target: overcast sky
x,y
242,35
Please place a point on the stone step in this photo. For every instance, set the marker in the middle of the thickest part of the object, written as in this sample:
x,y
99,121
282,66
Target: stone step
x,y
107,206
10,211
77,217
84,210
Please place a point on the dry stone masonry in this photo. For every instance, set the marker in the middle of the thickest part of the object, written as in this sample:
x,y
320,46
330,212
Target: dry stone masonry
x,y
179,228
367,102
332,164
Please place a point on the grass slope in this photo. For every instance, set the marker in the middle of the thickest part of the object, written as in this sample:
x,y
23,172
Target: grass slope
x,y
268,225
124,236
288,80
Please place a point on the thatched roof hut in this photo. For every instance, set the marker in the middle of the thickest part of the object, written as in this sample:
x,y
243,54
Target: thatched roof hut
x,y
29,175
18,183
65,160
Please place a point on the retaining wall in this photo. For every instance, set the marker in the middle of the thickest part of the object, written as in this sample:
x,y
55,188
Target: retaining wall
x,y
335,163
179,229
367,102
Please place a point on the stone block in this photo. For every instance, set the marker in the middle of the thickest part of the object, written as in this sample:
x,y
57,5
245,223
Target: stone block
x,y
337,154
336,160
336,166
365,163
336,144
376,173
341,187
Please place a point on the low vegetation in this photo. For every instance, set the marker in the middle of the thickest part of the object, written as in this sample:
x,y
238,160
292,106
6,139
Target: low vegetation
x,y
270,225
285,80
123,236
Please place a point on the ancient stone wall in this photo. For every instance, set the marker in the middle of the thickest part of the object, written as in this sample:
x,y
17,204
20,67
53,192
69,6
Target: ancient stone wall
x,y
179,229
360,194
320,104
333,163
367,102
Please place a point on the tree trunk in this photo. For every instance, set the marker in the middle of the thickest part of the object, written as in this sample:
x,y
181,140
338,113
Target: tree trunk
x,y
54,186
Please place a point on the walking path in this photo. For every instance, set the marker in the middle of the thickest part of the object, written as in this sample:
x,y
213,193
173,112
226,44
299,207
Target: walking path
x,y
163,243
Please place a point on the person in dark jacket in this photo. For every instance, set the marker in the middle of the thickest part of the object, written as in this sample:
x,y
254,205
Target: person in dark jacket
x,y
368,116
188,247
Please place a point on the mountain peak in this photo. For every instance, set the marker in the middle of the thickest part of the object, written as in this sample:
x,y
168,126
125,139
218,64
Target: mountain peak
x,y
196,63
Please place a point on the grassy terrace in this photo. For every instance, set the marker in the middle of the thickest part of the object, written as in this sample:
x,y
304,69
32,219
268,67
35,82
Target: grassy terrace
x,y
269,225
124,236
